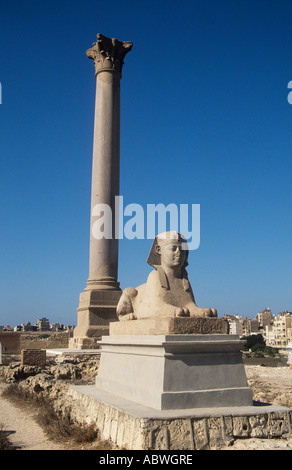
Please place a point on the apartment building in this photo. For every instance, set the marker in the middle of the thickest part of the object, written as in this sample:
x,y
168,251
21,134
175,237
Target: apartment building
x,y
289,349
43,324
264,318
279,334
239,325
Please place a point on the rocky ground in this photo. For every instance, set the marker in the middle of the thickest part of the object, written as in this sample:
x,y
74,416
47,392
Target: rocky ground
x,y
20,421
269,384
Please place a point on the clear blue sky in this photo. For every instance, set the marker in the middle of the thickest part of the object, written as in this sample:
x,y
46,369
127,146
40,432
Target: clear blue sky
x,y
204,120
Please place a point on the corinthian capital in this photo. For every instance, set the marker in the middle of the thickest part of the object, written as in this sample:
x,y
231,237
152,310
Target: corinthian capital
x,y
108,54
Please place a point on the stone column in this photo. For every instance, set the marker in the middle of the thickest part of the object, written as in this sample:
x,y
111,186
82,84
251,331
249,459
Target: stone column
x,y
97,306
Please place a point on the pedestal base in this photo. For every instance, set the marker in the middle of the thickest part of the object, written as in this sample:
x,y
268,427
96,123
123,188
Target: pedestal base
x,y
168,372
135,427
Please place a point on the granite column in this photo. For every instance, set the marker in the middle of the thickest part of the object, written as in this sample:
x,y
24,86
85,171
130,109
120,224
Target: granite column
x,y
97,305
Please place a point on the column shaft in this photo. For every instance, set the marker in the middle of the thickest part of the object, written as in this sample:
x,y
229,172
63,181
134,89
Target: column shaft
x,y
103,259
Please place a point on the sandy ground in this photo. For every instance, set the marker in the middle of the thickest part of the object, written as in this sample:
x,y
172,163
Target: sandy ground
x,y
24,432
272,384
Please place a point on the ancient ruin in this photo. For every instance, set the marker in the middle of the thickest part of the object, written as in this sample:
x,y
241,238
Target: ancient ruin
x,y
170,374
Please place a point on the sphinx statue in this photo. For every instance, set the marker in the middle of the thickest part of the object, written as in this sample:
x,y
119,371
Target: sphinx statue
x,y
167,291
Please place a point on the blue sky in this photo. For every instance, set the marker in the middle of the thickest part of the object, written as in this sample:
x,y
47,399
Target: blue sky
x,y
204,120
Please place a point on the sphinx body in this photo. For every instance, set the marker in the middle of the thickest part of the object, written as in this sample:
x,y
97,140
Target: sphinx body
x,y
167,291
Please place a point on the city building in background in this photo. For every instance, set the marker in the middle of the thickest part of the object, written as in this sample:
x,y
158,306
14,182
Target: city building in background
x,y
276,330
279,333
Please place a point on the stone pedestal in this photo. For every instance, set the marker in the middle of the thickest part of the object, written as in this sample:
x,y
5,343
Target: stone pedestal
x,y
170,326
98,302
167,372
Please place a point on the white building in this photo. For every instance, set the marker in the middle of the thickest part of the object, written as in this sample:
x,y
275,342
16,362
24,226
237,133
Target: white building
x,y
279,334
238,325
289,349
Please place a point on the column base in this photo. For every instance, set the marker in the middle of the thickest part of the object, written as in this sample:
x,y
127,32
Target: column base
x,y
97,308
83,343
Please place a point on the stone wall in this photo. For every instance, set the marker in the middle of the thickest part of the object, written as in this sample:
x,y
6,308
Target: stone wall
x,y
33,357
44,340
10,345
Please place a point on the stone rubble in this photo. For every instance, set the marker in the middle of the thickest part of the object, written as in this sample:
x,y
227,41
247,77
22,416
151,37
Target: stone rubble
x,y
230,432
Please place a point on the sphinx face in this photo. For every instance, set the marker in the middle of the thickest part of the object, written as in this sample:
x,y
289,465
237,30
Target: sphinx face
x,y
172,254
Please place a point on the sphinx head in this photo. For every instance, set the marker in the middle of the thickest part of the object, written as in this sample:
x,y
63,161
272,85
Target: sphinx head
x,y
169,250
